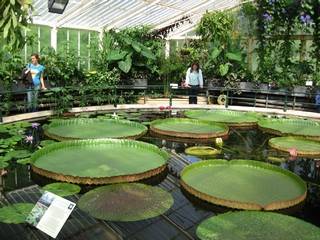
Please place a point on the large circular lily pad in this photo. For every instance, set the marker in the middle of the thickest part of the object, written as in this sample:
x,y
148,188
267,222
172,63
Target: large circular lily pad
x,y
244,184
93,128
99,161
15,213
231,118
295,127
126,202
252,225
188,128
304,147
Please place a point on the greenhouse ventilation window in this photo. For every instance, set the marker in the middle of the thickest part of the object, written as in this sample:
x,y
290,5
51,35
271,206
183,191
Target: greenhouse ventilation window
x,y
57,6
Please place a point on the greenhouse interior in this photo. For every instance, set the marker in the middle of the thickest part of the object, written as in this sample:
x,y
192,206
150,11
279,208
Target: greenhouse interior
x,y
160,119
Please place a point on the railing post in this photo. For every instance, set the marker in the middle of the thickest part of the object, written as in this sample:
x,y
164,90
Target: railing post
x,y
285,101
227,99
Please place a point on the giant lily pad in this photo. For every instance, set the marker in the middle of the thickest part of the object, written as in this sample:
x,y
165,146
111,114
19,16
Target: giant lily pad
x,y
15,213
304,147
62,189
252,225
93,128
295,127
202,151
126,202
244,184
99,161
231,118
188,128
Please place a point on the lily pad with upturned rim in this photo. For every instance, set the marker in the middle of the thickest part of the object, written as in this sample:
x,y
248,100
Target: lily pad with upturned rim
x,y
188,128
15,213
202,151
62,189
99,161
293,127
93,128
304,147
243,184
126,202
252,225
231,118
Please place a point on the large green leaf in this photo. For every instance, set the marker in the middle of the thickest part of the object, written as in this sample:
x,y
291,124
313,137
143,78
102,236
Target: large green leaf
x,y
136,46
147,53
126,202
90,128
234,56
224,69
62,189
15,213
100,161
125,65
244,184
253,225
116,55
215,53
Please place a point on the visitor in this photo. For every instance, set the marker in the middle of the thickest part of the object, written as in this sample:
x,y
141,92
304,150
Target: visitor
x,y
317,98
194,80
36,70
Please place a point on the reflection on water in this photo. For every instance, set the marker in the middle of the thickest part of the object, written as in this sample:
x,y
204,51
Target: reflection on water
x,y
240,144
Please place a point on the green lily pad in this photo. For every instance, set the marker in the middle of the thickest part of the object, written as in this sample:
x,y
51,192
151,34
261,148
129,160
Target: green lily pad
x,y
44,143
126,202
99,161
24,161
231,118
62,189
294,127
304,147
94,128
202,151
15,213
253,225
244,184
17,154
277,159
188,128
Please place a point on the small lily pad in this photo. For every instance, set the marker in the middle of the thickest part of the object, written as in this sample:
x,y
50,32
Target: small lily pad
x,y
24,161
3,164
15,213
46,142
17,154
62,189
202,151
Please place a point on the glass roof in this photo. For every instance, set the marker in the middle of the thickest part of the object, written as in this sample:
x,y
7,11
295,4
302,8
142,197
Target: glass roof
x,y
98,14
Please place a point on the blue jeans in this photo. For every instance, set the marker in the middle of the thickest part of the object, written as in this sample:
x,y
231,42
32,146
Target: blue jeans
x,y
32,97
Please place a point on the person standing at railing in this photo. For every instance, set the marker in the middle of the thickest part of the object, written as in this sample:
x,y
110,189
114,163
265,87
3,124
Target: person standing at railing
x,y
194,80
36,70
317,98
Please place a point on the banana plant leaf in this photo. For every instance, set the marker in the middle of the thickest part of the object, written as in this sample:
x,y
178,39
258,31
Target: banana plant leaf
x,y
294,127
62,189
231,118
93,128
126,202
244,184
188,128
252,225
99,161
15,213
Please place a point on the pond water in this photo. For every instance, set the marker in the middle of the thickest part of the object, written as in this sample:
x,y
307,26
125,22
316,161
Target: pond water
x,y
240,144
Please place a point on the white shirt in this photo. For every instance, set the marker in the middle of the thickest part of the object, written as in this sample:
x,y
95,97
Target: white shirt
x,y
200,77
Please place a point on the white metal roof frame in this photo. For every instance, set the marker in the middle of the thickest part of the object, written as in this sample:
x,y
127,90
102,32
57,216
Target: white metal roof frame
x,y
97,15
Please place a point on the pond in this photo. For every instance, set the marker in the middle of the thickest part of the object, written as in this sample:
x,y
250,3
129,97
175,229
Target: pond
x,y
187,212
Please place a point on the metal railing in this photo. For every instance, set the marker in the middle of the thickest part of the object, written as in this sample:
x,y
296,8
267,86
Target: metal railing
x,y
52,98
